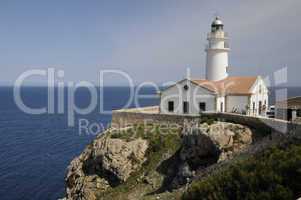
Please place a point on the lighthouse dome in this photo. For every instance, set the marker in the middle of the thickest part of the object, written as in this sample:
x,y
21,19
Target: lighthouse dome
x,y
217,21
217,25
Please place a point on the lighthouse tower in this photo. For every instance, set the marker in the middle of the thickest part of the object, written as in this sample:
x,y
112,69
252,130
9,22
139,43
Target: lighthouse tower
x,y
217,52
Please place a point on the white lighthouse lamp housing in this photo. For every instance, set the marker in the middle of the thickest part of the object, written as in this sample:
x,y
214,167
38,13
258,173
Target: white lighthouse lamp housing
x,y
217,25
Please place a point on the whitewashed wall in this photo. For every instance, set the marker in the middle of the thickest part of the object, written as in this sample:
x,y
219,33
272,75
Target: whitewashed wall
x,y
258,95
194,95
237,102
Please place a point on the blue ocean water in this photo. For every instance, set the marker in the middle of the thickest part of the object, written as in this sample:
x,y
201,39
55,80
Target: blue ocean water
x,y
35,150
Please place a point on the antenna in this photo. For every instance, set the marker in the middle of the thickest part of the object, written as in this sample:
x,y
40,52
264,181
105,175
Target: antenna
x,y
216,14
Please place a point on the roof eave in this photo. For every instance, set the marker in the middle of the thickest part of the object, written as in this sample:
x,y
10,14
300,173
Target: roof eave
x,y
238,94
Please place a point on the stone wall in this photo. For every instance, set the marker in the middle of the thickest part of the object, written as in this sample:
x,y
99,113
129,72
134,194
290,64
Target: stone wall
x,y
268,124
122,119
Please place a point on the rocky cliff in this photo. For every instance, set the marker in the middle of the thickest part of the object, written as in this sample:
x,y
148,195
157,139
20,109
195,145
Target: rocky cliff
x,y
151,162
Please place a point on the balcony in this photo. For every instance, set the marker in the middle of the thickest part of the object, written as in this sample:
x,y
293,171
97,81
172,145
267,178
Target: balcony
x,y
224,46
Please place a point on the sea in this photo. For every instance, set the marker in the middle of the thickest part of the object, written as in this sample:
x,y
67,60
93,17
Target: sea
x,y
35,149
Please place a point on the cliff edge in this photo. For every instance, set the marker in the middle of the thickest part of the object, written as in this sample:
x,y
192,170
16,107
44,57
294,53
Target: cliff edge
x,y
151,162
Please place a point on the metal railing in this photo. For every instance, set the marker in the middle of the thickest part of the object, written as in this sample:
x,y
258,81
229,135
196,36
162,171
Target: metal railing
x,y
226,46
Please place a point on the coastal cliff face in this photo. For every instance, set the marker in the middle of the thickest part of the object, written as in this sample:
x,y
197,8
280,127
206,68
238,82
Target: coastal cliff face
x,y
209,144
104,163
218,141
144,163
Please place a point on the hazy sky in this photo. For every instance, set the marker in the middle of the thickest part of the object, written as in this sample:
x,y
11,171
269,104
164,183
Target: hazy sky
x,y
152,40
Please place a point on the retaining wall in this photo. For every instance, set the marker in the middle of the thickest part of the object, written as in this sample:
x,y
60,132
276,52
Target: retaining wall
x,y
277,125
123,118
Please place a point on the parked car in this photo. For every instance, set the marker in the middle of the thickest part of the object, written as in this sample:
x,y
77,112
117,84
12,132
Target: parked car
x,y
271,112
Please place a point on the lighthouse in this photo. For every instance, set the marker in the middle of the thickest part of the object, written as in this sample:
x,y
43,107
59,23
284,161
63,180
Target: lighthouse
x,y
217,52
217,92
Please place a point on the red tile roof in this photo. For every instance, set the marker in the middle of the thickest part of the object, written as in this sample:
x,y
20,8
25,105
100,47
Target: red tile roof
x,y
235,85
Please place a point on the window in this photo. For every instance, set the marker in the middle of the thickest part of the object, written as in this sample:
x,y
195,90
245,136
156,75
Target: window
x,y
186,87
222,107
185,107
170,106
253,107
260,89
202,106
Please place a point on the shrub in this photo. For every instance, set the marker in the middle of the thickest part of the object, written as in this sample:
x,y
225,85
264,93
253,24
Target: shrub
x,y
208,119
275,174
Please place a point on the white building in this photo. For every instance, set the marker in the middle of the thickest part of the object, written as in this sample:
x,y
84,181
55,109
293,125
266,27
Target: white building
x,y
218,92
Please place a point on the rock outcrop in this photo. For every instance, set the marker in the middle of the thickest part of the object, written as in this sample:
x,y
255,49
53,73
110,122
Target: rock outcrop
x,y
219,140
204,145
104,163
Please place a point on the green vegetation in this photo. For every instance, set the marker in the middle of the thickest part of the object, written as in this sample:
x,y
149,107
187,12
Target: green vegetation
x,y
208,119
143,131
274,174
162,141
127,135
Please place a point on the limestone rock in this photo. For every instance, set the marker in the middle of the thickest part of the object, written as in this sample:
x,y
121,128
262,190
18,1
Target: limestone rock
x,y
120,157
110,161
229,138
204,145
219,140
103,164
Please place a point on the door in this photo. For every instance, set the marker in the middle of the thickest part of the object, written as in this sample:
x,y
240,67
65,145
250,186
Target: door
x,y
170,106
259,107
185,107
